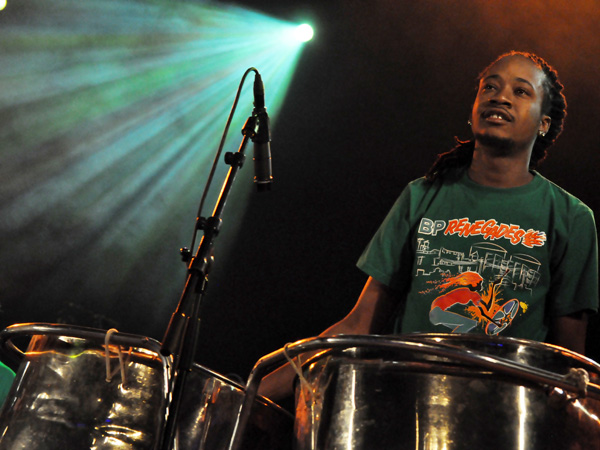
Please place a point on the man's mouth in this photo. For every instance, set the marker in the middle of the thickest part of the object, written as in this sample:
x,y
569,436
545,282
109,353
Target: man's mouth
x,y
496,116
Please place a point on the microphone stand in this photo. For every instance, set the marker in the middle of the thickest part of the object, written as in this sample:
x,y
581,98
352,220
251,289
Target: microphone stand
x,y
182,332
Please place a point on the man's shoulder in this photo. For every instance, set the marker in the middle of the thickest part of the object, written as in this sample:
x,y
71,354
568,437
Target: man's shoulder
x,y
562,196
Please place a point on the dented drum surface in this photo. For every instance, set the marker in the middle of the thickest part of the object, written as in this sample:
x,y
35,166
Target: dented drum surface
x,y
370,397
61,398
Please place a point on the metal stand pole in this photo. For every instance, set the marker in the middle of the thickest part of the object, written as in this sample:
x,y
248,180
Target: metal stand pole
x,y
182,332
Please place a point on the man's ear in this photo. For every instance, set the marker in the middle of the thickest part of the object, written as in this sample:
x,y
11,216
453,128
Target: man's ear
x,y
545,124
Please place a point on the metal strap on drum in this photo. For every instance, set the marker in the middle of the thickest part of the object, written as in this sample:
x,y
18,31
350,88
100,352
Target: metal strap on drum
x,y
9,349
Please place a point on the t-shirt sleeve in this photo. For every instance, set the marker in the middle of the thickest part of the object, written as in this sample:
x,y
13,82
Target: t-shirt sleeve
x,y
387,257
574,285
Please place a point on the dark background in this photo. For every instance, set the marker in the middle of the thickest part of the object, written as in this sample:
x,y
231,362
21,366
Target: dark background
x,y
383,87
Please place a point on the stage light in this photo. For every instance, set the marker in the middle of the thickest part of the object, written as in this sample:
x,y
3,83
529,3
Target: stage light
x,y
2,4
304,32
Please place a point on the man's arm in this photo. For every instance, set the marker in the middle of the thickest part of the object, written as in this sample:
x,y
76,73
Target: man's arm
x,y
370,313
570,331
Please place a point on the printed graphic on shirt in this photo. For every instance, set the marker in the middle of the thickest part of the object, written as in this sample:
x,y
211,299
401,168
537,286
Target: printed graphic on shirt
x,y
488,229
468,287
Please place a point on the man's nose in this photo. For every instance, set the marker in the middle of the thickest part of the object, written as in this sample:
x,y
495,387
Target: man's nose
x,y
501,98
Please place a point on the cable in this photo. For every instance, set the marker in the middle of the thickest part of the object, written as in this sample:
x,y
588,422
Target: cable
x,y
218,155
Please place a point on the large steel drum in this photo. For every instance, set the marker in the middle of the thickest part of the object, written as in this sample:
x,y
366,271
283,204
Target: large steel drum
x,y
81,388
448,392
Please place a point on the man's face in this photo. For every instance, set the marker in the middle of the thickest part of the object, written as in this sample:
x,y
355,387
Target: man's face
x,y
508,106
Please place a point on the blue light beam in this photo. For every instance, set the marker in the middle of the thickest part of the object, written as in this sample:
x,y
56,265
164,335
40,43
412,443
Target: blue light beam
x,y
110,116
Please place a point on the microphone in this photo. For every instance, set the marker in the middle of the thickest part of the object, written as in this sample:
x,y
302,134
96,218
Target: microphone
x,y
263,171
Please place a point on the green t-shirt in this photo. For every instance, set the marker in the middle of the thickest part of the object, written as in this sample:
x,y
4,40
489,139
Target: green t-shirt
x,y
471,258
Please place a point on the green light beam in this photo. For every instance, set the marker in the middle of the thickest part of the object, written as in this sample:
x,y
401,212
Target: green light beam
x,y
110,115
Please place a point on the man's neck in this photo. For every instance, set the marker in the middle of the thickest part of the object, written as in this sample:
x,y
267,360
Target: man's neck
x,y
500,172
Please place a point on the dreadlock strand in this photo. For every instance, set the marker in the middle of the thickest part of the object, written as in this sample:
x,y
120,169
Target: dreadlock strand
x,y
460,156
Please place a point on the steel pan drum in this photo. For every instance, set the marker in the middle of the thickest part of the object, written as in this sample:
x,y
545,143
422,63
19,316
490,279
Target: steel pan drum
x,y
61,398
209,410
458,392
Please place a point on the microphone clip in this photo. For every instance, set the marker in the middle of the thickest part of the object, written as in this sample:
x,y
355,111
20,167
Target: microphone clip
x,y
263,128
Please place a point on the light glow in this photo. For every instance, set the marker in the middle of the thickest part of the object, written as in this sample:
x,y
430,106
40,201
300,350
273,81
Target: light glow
x,y
304,32
523,412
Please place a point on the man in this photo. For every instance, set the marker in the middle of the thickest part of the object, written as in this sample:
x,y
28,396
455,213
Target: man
x,y
484,243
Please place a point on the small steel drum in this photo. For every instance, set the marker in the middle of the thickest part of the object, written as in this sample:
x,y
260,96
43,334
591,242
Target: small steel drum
x,y
447,392
209,409
61,398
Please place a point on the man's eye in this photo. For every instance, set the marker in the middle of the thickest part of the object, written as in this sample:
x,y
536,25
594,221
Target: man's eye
x,y
520,91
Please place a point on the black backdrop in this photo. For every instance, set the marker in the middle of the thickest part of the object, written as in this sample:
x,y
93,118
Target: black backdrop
x,y
383,88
